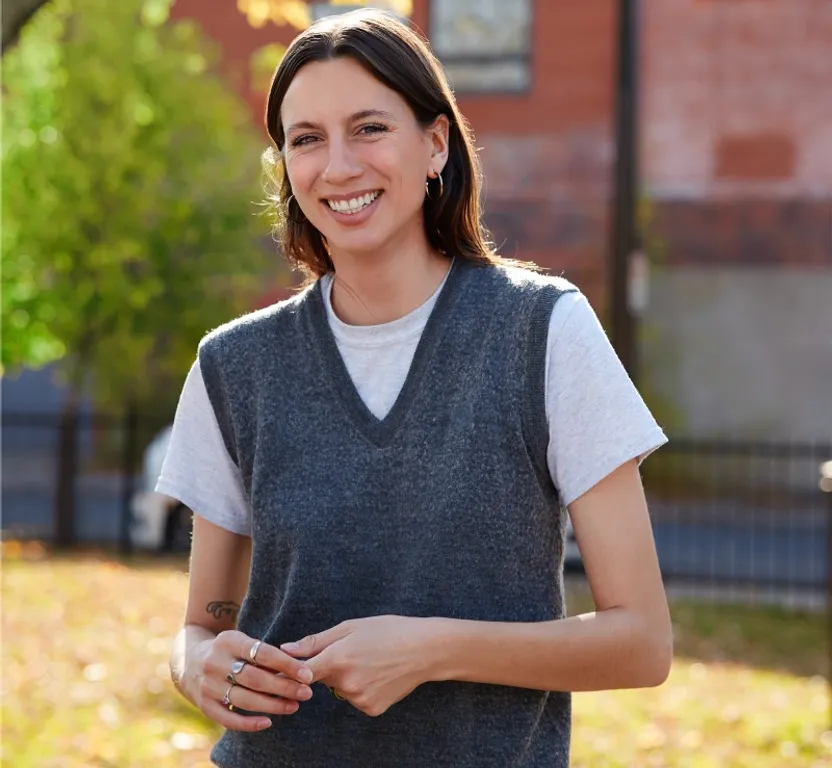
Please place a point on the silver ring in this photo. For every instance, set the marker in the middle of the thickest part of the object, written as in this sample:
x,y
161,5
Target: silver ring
x,y
252,653
226,700
237,666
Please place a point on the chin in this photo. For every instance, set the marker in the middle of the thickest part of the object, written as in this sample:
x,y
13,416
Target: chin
x,y
364,245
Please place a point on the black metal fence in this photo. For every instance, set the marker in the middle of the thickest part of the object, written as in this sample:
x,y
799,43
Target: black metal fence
x,y
726,514
95,458
743,516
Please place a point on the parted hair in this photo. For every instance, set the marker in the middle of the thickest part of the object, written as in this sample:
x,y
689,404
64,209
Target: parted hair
x,y
391,51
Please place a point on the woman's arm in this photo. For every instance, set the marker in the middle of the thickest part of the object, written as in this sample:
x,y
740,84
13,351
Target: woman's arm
x,y
209,643
218,581
626,643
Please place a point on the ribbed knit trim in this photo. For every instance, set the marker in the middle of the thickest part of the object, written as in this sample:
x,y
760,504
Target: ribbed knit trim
x,y
536,427
381,431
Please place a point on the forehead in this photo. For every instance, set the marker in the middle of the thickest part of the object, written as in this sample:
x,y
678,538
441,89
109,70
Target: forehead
x,y
322,91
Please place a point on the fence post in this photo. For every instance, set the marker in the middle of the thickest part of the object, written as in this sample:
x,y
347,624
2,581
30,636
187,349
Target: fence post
x,y
128,468
67,475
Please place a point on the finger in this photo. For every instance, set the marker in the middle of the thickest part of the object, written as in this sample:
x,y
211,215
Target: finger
x,y
266,681
312,645
323,670
218,712
253,701
268,656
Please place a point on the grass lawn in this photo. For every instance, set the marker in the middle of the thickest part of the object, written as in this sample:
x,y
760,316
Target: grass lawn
x,y
86,638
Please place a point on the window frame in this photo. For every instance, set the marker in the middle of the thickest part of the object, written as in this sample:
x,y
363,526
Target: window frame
x,y
483,59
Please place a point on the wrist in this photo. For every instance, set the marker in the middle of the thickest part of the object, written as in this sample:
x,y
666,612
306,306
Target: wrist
x,y
439,649
187,661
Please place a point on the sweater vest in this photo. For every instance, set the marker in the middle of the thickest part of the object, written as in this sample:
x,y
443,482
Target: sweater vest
x,y
445,507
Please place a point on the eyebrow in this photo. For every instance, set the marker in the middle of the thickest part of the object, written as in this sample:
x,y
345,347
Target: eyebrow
x,y
354,118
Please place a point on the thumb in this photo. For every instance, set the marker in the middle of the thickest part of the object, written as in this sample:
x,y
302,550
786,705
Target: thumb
x,y
312,645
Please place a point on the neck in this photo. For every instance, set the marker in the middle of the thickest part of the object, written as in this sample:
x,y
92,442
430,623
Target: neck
x,y
370,289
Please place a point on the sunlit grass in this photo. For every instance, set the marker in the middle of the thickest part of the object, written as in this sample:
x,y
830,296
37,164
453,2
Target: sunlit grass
x,y
86,639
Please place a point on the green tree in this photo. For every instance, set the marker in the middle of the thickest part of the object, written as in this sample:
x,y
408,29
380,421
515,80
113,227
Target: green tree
x,y
130,175
130,181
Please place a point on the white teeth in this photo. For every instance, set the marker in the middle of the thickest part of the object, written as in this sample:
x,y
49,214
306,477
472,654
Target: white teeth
x,y
353,205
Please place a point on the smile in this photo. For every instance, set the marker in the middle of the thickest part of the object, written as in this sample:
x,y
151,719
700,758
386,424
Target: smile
x,y
353,205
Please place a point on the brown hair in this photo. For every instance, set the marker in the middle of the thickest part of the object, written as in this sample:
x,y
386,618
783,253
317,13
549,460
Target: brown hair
x,y
394,54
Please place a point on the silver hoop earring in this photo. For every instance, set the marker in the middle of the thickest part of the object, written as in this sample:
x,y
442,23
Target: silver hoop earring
x,y
441,188
294,220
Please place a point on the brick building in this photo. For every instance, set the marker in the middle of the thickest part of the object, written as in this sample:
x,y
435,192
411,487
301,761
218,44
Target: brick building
x,y
736,157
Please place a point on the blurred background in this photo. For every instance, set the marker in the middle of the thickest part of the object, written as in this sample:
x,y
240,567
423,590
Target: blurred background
x,y
673,158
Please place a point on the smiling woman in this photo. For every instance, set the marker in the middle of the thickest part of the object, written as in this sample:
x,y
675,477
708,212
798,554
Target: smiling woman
x,y
380,467
370,113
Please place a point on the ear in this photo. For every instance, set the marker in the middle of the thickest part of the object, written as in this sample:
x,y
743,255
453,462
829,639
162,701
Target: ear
x,y
438,133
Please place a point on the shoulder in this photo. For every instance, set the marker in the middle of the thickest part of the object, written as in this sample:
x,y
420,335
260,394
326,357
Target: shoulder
x,y
522,282
248,330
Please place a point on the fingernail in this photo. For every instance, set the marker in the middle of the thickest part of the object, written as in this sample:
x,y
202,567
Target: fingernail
x,y
290,646
263,724
305,692
305,675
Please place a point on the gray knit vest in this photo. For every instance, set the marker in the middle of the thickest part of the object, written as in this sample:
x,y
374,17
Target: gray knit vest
x,y
443,508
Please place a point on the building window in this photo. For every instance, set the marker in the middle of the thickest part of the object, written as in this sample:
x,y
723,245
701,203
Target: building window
x,y
484,45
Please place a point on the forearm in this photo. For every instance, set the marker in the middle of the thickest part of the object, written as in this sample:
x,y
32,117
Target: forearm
x,y
185,645
605,650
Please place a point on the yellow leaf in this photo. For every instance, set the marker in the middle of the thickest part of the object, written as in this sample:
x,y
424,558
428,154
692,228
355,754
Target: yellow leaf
x,y
257,12
280,12
296,13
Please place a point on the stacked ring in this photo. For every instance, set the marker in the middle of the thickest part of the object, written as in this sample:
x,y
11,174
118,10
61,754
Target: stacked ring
x,y
237,666
252,653
226,700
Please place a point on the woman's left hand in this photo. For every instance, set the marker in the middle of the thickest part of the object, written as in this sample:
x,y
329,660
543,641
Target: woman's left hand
x,y
372,662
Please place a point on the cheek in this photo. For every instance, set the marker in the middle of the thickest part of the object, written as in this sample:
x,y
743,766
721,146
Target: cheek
x,y
302,172
408,170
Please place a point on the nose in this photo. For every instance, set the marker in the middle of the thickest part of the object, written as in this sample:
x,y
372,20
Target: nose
x,y
341,164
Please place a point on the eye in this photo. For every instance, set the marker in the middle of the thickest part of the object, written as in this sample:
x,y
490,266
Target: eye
x,y
300,141
372,128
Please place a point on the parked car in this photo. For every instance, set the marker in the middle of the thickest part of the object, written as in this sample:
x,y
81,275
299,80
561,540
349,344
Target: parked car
x,y
159,522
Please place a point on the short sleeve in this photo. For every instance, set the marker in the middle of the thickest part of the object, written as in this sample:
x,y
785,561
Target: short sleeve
x,y
197,469
597,418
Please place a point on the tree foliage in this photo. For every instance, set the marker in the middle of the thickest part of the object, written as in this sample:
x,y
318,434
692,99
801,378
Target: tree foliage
x,y
130,177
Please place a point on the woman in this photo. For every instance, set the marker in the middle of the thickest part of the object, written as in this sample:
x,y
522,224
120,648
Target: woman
x,y
380,465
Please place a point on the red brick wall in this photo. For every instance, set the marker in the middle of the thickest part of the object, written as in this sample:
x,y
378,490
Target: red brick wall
x,y
547,154
736,127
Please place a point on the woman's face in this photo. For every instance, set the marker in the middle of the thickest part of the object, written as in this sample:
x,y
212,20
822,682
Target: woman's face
x,y
356,157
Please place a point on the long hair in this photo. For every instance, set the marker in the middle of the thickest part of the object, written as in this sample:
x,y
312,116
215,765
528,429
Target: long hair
x,y
395,55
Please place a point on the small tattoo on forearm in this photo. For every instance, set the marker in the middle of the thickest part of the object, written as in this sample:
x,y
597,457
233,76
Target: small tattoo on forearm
x,y
219,609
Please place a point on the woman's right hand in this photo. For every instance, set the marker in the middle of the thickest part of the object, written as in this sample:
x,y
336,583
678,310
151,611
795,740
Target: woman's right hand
x,y
275,685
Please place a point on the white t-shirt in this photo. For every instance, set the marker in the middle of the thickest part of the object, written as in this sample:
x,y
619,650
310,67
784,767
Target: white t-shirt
x,y
597,419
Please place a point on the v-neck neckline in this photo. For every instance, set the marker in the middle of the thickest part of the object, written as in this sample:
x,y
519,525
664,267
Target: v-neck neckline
x,y
381,431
